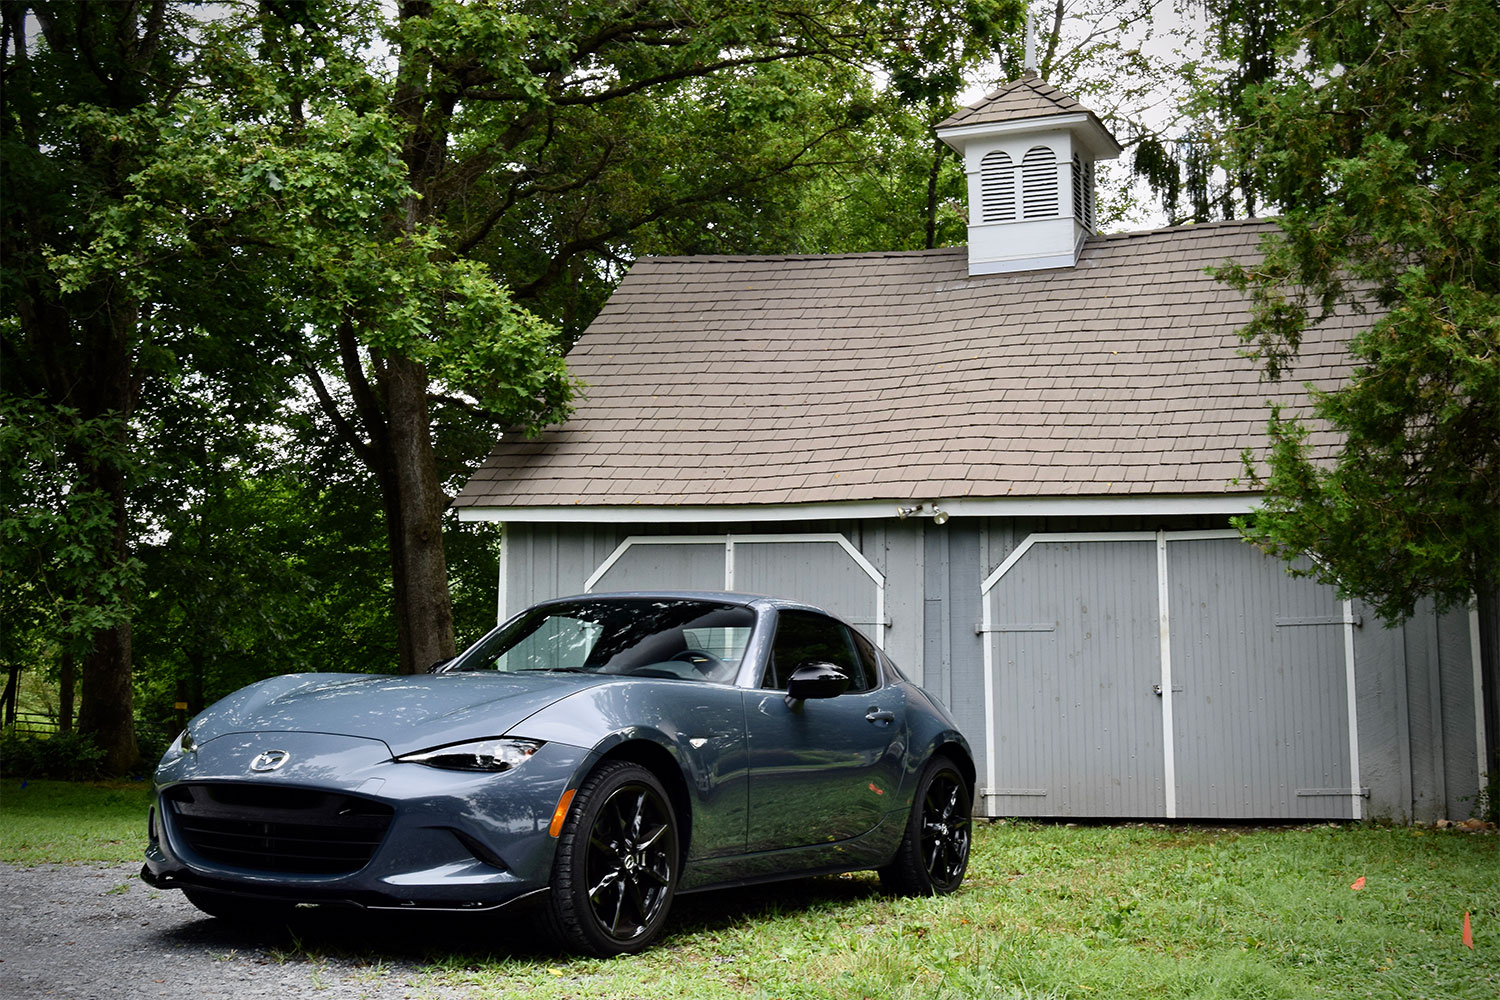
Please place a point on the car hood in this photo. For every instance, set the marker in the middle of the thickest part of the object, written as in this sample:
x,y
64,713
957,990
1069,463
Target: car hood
x,y
408,713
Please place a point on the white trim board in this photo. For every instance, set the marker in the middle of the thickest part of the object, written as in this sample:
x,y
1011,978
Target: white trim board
x,y
730,541
1482,747
1164,637
1242,503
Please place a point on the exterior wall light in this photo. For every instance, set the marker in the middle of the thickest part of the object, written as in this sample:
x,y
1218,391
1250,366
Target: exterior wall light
x,y
938,515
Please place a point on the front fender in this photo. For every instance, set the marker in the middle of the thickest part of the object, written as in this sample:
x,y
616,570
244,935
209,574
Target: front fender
x,y
701,727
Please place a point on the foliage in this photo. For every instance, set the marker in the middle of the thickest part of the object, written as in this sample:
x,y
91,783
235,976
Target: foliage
x,y
53,526
1380,144
403,212
61,756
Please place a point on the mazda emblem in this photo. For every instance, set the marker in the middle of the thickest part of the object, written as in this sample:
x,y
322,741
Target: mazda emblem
x,y
269,760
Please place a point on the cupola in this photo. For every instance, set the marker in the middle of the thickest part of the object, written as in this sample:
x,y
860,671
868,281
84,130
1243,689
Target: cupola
x,y
1029,151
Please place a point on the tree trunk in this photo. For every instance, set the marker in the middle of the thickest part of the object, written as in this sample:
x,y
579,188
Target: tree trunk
x,y
8,699
932,193
414,500
414,512
107,709
107,704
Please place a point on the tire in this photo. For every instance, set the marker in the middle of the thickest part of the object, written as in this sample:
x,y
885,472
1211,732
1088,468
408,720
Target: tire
x,y
617,863
934,851
240,909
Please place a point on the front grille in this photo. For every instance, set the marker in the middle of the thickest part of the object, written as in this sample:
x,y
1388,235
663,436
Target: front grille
x,y
292,830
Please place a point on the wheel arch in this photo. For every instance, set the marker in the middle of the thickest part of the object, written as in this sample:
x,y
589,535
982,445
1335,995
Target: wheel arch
x,y
660,762
957,753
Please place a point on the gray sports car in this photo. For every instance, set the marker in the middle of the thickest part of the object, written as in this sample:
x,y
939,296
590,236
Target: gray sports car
x,y
601,753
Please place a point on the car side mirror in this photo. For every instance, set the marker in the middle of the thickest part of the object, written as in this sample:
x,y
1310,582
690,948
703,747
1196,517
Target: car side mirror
x,y
816,679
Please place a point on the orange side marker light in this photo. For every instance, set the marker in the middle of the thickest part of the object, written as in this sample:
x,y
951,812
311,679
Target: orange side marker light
x,y
561,812
877,791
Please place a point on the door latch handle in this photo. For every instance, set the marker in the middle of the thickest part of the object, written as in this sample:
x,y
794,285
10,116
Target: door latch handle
x,y
879,715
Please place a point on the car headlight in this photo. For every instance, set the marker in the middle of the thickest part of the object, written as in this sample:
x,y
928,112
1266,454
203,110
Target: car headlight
x,y
479,755
183,744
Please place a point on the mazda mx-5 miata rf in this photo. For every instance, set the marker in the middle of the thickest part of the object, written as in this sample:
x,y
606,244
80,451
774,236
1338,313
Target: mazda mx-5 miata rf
x,y
600,753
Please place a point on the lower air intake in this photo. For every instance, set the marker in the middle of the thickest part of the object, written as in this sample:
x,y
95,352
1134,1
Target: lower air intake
x,y
270,829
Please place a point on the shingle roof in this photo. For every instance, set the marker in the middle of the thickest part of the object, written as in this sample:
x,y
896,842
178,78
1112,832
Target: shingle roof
x,y
769,380
1028,96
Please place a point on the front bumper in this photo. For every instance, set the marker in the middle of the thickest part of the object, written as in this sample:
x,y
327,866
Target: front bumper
x,y
454,840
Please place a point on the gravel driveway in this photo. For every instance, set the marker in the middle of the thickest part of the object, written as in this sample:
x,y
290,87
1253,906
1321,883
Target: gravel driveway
x,y
97,931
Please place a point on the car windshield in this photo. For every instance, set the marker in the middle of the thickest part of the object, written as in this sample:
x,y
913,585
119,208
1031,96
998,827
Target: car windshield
x,y
679,638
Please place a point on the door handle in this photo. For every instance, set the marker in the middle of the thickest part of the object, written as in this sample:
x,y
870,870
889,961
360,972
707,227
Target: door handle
x,y
879,715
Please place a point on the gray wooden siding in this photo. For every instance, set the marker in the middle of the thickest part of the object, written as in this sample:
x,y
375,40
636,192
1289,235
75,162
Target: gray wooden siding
x,y
1260,699
1418,740
1414,684
819,573
1076,652
665,566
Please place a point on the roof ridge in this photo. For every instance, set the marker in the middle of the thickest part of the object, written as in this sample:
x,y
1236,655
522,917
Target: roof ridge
x,y
938,252
1258,220
850,255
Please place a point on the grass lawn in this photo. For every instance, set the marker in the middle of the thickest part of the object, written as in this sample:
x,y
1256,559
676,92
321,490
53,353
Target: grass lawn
x,y
1111,911
1047,911
56,821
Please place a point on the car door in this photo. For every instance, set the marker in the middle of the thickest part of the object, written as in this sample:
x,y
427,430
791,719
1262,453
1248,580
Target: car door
x,y
822,770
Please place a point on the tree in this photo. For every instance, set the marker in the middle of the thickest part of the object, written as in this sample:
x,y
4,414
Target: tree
x,y
540,145
70,353
405,210
1377,137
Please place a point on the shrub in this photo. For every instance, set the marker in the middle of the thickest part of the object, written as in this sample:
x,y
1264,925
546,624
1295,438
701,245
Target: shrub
x,y
63,756
153,740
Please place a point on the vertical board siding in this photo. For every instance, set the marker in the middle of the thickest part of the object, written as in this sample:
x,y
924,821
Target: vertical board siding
x,y
682,566
1260,712
1456,663
819,573
1260,704
1077,726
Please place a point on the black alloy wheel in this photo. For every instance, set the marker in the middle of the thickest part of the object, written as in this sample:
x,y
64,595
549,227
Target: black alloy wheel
x,y
617,862
946,828
934,853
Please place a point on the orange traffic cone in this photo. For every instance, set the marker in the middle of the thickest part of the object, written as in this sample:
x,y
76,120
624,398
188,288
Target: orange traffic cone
x,y
1468,934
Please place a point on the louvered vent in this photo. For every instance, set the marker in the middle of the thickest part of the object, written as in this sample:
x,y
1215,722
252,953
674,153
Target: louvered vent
x,y
997,187
1078,190
1088,195
1083,192
1039,195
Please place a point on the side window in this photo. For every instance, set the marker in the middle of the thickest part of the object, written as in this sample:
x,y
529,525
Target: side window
x,y
802,637
869,659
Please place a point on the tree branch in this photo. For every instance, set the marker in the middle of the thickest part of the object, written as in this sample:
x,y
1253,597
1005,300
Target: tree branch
x,y
346,430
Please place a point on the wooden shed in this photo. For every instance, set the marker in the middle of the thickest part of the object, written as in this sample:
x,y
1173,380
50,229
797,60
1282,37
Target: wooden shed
x,y
1013,465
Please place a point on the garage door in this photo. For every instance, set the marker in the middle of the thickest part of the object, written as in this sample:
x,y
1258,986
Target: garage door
x,y
822,569
1234,704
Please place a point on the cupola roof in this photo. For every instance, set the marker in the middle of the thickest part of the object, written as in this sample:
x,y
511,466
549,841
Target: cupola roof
x,y
1023,103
